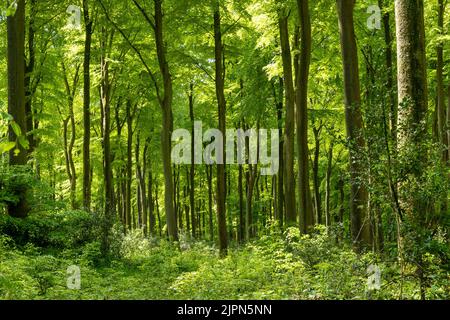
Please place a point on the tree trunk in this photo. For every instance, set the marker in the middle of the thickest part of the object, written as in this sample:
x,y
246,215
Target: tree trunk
x,y
221,183
30,86
306,213
68,146
360,223
167,126
209,178
289,132
86,108
241,234
192,169
328,186
128,168
317,197
412,89
105,101
280,175
16,96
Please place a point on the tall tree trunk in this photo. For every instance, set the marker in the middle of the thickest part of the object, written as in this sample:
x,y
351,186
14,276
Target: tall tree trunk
x,y
241,233
220,79
87,108
328,185
360,222
393,118
306,213
167,126
105,100
192,169
16,96
412,87
280,175
30,87
209,178
413,106
289,132
317,197
151,205
128,168
69,145
441,105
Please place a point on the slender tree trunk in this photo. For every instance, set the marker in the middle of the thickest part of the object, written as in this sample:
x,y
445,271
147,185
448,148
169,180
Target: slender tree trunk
x,y
209,178
167,127
289,132
128,168
151,204
441,105
280,175
69,145
105,97
192,169
241,234
87,108
306,213
30,87
360,222
328,185
221,183
317,197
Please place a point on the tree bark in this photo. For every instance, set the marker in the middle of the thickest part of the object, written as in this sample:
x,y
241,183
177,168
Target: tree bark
x,y
221,102
105,101
306,213
192,169
128,168
167,126
16,97
328,185
289,132
86,108
412,89
360,222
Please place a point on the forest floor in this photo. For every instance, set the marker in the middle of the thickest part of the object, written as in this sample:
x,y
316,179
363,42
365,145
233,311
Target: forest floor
x,y
277,266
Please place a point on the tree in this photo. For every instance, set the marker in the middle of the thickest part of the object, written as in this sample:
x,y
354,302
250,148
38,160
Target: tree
x,y
306,213
289,131
87,107
221,102
412,90
16,98
360,222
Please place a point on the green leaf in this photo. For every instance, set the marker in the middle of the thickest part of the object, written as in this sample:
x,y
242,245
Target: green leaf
x,y
6,146
24,142
16,129
11,10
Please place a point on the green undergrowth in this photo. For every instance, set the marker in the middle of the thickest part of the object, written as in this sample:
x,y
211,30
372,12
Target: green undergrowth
x,y
277,266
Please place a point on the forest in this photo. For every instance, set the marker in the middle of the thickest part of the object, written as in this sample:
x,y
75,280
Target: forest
x,y
224,149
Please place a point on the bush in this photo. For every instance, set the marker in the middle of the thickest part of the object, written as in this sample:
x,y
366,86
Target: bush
x,y
69,229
